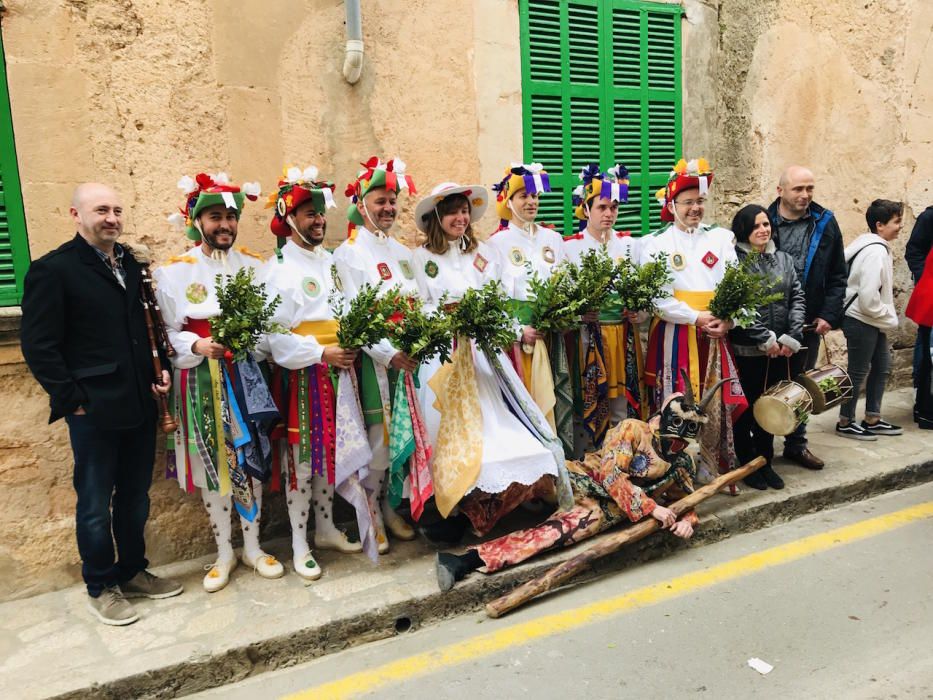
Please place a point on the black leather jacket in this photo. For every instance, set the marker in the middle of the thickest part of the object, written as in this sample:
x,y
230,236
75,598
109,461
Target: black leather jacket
x,y
780,318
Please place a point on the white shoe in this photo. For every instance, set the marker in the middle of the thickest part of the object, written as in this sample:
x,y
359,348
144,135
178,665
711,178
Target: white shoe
x,y
265,565
336,541
218,575
307,567
397,524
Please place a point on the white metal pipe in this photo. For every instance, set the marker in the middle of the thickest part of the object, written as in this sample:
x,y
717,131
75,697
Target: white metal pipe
x,y
353,54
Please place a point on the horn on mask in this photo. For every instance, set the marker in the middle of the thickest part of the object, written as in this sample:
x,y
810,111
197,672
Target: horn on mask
x,y
690,399
710,393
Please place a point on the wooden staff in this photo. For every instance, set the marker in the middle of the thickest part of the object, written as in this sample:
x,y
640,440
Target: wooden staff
x,y
612,543
155,329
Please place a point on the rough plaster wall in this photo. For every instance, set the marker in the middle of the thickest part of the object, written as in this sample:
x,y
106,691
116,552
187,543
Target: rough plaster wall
x,y
835,86
137,92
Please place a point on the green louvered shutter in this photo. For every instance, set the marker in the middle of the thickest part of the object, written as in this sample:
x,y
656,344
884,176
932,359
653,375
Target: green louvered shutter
x,y
601,83
14,248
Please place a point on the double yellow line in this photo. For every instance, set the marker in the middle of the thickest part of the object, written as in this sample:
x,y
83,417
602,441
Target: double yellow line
x,y
558,623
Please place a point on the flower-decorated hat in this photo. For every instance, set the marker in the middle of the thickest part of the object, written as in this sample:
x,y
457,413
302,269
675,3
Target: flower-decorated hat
x,y
375,174
295,188
695,174
477,195
530,177
611,185
204,191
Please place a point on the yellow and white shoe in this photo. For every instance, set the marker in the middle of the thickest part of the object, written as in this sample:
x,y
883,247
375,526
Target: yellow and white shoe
x,y
397,525
218,575
265,565
336,541
307,567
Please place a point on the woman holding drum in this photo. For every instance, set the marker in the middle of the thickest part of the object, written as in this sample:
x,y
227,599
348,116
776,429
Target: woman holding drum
x,y
763,350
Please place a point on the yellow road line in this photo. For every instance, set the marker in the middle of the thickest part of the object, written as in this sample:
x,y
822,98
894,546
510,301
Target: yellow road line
x,y
557,623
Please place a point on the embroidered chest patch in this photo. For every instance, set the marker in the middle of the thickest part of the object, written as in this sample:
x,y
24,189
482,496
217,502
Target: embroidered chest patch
x,y
196,293
407,272
430,269
480,263
384,271
311,287
710,260
678,262
547,252
517,257
336,278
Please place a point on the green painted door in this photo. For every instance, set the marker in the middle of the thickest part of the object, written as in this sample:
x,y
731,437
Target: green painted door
x,y
14,247
601,82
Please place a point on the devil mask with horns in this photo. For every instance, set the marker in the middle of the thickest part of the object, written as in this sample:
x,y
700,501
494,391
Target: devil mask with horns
x,y
681,417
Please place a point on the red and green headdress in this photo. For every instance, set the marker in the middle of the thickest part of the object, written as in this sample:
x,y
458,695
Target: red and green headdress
x,y
295,188
375,174
204,191
685,176
611,185
530,177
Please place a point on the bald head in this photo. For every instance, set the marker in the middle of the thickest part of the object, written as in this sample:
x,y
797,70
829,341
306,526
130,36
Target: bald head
x,y
98,214
795,190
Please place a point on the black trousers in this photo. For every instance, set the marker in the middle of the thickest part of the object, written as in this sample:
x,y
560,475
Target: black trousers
x,y
924,375
751,440
111,466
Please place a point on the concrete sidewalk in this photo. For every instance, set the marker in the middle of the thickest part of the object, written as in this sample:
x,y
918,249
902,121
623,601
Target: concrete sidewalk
x,y
51,645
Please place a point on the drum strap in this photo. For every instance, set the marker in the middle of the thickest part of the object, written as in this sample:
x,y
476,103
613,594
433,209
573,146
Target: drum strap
x,y
768,371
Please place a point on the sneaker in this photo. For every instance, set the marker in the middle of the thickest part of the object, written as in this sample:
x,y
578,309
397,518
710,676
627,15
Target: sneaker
x,y
855,432
882,427
111,608
146,585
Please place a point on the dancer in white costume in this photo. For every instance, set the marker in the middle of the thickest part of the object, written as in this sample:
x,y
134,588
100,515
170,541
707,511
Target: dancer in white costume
x,y
371,255
452,261
300,273
186,293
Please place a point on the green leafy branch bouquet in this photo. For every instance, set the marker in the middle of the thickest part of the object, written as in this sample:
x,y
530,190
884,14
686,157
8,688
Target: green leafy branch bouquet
x,y
418,333
741,291
362,320
484,314
555,304
245,313
639,287
594,277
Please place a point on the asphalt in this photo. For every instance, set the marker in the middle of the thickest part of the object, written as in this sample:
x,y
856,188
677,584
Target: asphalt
x,y
52,647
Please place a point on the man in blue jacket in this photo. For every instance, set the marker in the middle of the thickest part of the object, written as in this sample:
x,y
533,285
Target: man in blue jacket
x,y
811,236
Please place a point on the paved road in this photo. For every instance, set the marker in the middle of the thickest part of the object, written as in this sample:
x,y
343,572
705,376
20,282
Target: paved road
x,y
840,603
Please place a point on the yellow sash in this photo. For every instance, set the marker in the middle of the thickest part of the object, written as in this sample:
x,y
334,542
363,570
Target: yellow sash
x,y
325,332
698,301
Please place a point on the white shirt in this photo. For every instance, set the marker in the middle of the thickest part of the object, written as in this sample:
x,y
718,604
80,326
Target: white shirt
x,y
185,290
373,258
304,281
702,257
543,250
454,272
618,246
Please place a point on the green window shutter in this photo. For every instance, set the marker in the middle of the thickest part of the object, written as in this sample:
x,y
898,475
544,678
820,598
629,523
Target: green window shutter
x,y
601,82
14,247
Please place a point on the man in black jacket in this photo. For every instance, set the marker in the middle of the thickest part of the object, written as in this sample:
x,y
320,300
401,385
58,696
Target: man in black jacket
x,y
811,236
84,338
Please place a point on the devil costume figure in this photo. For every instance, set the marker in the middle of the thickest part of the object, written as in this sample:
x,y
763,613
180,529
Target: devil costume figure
x,y
639,464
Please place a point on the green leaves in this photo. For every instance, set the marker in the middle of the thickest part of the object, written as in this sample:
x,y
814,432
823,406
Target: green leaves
x,y
741,292
594,277
483,314
363,320
245,313
419,334
639,287
555,304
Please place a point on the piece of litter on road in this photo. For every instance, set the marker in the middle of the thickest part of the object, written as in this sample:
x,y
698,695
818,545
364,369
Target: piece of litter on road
x,y
259,602
762,667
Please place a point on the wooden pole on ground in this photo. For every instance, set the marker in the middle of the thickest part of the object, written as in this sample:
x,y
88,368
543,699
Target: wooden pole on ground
x,y
611,543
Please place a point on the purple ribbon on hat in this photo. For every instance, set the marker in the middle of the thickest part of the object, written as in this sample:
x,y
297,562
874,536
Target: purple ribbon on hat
x,y
613,190
537,182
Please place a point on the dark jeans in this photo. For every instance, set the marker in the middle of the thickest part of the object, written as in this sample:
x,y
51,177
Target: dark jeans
x,y
924,403
751,440
803,361
111,465
869,357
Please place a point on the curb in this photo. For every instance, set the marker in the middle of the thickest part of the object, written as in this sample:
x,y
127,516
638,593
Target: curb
x,y
233,665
